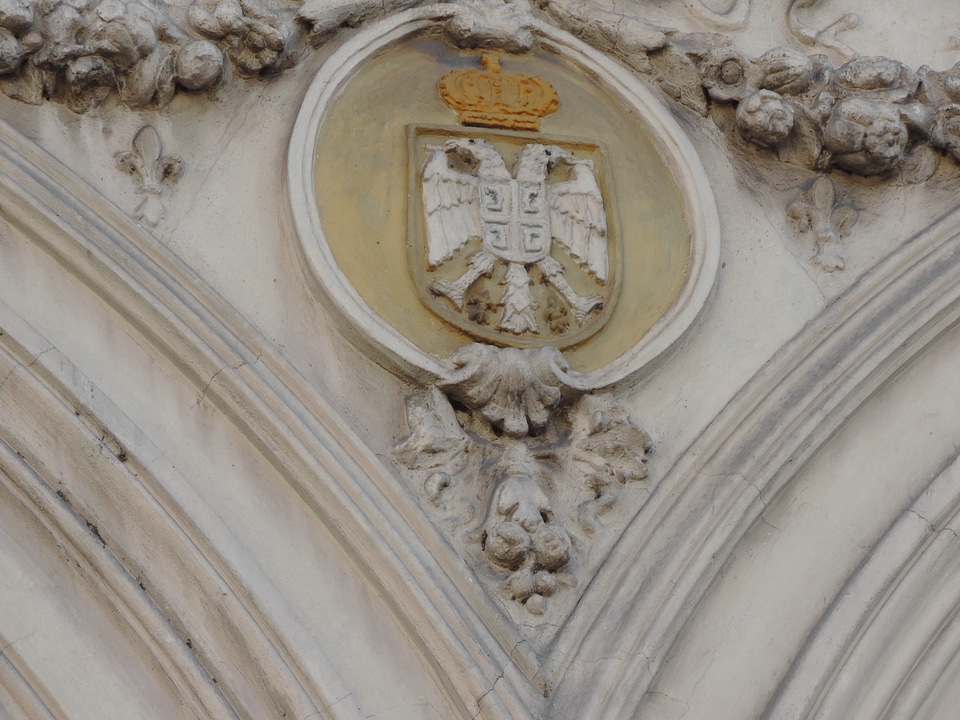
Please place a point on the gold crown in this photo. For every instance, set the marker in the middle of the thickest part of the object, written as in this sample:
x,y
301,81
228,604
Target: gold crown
x,y
489,98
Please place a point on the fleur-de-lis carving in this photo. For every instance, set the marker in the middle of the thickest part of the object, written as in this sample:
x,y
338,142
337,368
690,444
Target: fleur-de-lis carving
x,y
819,213
151,170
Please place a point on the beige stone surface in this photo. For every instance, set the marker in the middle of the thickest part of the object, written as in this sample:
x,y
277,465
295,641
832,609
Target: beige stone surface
x,y
202,514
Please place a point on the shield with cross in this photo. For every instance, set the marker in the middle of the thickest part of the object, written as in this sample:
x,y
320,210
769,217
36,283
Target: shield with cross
x,y
514,243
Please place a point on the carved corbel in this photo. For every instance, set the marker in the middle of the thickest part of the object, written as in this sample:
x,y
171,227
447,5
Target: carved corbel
x,y
541,461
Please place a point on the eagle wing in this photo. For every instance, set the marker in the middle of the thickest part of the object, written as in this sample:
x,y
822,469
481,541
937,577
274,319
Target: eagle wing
x,y
451,205
578,221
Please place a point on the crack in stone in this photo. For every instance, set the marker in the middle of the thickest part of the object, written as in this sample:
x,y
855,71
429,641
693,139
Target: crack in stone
x,y
34,360
213,377
932,526
686,705
15,641
835,526
490,690
497,679
762,502
319,713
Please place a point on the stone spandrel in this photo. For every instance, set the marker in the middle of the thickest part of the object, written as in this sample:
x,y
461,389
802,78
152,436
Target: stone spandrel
x,y
351,612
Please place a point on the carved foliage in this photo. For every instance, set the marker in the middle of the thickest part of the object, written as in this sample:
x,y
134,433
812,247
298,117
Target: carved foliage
x,y
254,37
527,477
817,116
79,52
466,24
869,116
608,452
491,24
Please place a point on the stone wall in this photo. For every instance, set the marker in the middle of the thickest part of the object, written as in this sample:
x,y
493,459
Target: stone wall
x,y
693,457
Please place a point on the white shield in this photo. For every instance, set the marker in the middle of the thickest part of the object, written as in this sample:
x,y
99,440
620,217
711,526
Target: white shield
x,y
516,222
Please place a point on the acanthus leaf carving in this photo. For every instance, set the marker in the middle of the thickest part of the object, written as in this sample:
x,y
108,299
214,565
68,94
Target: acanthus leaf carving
x,y
608,452
607,446
522,470
436,438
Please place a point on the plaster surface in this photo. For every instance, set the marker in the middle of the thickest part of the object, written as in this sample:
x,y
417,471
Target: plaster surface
x,y
258,519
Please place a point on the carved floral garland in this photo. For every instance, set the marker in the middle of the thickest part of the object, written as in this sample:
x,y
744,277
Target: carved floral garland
x,y
870,116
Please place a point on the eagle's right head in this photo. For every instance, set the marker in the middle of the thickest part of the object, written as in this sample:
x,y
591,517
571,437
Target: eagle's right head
x,y
478,155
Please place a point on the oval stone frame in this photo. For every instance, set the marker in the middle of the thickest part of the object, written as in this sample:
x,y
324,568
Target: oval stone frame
x,y
397,351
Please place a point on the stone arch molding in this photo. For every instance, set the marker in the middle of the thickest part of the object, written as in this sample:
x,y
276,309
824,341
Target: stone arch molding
x,y
334,475
152,591
893,593
895,617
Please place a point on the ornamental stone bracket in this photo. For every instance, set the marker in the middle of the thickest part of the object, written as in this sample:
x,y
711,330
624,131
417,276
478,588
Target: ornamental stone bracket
x,y
530,478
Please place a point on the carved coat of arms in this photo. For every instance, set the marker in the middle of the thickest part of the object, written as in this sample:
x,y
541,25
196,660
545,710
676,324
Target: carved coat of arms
x,y
512,311
513,242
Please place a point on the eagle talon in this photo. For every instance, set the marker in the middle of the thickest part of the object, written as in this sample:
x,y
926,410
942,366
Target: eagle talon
x,y
583,306
449,290
480,263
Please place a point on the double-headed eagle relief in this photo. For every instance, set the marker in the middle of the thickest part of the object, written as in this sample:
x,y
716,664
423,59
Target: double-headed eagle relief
x,y
469,193
516,245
